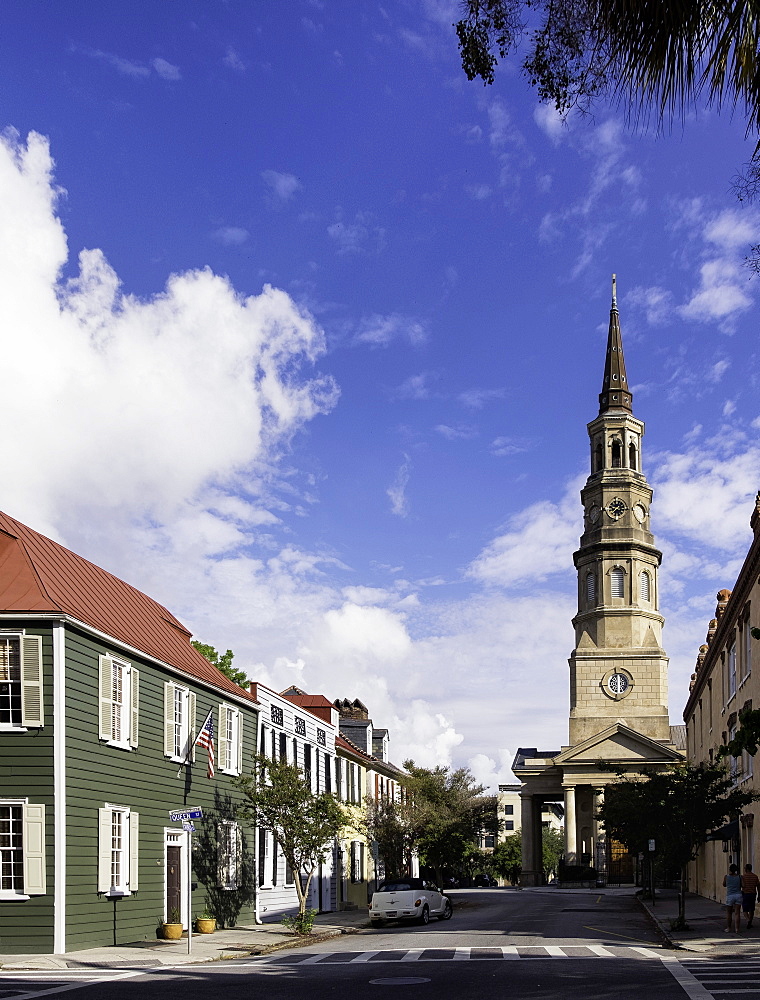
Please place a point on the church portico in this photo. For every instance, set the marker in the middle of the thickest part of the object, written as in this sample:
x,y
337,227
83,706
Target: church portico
x,y
618,722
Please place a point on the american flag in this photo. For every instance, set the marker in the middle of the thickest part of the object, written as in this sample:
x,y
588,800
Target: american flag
x,y
205,738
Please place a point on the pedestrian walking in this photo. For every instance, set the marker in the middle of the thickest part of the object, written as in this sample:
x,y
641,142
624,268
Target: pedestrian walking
x,y
733,884
750,884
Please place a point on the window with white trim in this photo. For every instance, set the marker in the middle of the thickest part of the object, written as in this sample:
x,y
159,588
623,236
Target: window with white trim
x,y
179,723
117,850
230,740
747,648
229,854
20,681
645,589
22,849
732,669
119,702
617,582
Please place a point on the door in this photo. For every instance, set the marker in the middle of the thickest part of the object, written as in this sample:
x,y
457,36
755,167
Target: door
x,y
173,880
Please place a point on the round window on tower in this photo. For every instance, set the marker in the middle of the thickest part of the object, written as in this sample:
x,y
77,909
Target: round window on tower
x,y
617,683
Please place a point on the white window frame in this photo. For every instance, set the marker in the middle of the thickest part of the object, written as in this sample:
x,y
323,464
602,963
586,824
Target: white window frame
x,y
32,850
119,716
731,666
645,587
230,739
125,855
30,682
229,840
179,734
617,576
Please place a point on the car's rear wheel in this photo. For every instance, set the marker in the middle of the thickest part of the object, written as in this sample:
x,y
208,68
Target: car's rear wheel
x,y
424,917
447,911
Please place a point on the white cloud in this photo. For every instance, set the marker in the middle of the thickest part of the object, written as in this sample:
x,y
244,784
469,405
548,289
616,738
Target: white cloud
x,y
415,387
550,122
397,490
166,70
124,66
539,542
233,61
282,187
656,302
362,235
379,331
492,772
460,432
505,446
477,398
479,192
231,236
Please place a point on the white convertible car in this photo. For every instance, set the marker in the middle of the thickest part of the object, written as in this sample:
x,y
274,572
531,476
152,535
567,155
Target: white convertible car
x,y
408,899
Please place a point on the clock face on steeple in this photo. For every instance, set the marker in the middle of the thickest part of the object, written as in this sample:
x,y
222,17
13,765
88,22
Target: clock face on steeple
x,y
616,508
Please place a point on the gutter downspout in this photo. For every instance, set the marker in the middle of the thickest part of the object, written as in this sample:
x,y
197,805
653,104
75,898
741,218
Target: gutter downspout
x,y
59,787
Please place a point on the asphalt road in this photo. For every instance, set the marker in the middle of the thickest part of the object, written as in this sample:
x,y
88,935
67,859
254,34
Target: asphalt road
x,y
500,943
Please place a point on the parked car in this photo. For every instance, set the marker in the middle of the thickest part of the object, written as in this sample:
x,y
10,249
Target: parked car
x,y
408,899
484,881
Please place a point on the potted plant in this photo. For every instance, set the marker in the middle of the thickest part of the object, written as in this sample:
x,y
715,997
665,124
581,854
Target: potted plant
x,y
171,929
205,923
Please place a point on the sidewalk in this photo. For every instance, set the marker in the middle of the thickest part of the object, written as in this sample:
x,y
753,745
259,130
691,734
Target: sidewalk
x,y
706,920
239,942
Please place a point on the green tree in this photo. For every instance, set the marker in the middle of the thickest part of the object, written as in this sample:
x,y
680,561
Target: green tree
x,y
303,823
507,858
658,58
391,825
677,808
223,662
552,849
447,813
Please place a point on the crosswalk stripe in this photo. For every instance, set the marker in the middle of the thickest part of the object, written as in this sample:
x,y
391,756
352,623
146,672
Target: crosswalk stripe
x,y
600,951
313,959
364,957
462,955
555,951
509,951
412,955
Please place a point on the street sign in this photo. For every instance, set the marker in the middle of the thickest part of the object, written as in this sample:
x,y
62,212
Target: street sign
x,y
651,845
185,815
189,827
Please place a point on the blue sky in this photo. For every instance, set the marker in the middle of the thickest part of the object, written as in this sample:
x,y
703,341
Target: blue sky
x,y
302,331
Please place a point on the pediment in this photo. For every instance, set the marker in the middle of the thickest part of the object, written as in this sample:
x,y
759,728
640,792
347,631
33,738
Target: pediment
x,y
619,743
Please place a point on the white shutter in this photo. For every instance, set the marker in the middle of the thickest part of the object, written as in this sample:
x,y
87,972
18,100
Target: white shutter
x,y
32,710
191,724
134,693
225,750
644,587
591,588
616,583
104,850
168,719
134,824
239,755
237,855
106,701
34,850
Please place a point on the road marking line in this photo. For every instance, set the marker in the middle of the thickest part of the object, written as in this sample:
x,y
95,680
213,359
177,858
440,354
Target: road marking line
x,y
647,952
364,957
311,960
599,899
509,951
412,955
603,930
555,951
688,983
462,955
75,986
597,949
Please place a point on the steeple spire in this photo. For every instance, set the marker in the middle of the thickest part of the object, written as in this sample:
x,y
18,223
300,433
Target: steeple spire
x,y
615,394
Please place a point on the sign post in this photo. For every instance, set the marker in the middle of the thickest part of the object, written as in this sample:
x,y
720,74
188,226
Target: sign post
x,y
184,816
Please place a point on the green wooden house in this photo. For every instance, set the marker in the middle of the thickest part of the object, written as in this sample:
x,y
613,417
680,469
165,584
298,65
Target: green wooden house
x,y
101,698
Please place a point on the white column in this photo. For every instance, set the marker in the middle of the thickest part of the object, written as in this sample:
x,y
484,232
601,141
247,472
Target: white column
x,y
571,829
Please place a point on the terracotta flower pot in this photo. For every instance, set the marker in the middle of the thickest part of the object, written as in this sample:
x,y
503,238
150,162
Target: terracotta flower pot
x,y
205,925
171,932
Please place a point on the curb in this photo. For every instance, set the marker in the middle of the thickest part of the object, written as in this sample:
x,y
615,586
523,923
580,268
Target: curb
x,y
295,942
667,940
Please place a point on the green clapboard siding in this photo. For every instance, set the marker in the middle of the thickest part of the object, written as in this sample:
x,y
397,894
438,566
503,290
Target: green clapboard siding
x,y
26,771
141,779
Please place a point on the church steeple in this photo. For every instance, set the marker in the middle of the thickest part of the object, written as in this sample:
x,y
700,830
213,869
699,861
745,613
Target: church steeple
x,y
618,655
615,394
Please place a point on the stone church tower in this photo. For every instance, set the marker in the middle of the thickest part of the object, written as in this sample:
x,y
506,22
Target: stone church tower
x,y
618,669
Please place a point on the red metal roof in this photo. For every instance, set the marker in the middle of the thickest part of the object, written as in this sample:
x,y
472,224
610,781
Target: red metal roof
x,y
38,574
317,704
